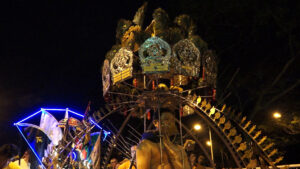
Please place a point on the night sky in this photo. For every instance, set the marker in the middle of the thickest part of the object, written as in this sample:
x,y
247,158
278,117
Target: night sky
x,y
51,51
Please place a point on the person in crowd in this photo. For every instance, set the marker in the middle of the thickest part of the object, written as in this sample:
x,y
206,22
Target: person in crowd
x,y
192,160
200,159
24,161
8,152
126,163
200,162
114,163
149,154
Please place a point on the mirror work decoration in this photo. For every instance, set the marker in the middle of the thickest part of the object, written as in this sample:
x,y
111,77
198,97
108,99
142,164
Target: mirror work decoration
x,y
105,77
121,65
155,56
187,59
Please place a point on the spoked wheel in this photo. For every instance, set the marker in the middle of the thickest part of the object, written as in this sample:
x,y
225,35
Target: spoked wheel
x,y
240,138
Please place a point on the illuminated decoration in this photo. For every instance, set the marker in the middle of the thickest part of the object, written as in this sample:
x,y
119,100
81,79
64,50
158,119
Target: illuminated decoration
x,y
121,65
187,110
46,132
74,156
105,77
105,134
178,73
32,149
186,60
74,122
180,80
155,56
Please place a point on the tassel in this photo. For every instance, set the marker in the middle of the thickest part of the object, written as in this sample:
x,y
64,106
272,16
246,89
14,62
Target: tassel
x,y
134,82
181,111
149,115
153,84
214,94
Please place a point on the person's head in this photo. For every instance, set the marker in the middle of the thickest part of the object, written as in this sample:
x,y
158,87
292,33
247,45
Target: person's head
x,y
113,162
168,126
192,158
7,154
133,150
26,156
200,159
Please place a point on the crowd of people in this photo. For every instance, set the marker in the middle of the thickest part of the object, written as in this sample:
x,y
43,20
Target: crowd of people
x,y
125,163
146,153
9,159
196,162
8,153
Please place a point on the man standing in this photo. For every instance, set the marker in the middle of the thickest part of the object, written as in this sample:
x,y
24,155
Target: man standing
x,y
126,163
153,154
113,163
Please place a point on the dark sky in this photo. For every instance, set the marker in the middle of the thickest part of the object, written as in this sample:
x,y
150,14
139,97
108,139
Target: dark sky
x,y
51,54
51,51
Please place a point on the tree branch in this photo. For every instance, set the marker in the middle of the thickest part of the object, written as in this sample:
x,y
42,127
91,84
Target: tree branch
x,y
286,66
283,93
234,75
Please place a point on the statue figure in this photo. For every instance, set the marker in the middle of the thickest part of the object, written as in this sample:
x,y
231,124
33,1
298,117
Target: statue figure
x,y
148,155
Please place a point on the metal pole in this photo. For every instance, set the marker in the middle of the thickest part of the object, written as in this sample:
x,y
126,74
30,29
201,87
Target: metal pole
x,y
145,122
211,145
222,156
159,124
181,139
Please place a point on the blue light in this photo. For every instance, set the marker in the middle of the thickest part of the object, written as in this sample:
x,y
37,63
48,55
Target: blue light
x,y
28,117
96,124
106,133
34,152
80,115
74,156
67,110
95,133
50,109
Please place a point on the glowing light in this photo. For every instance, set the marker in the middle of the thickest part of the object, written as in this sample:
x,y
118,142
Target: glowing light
x,y
28,117
277,115
96,124
197,127
50,109
208,143
66,110
80,115
105,134
74,156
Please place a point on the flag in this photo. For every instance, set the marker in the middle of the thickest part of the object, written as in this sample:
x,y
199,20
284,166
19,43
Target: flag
x,y
96,153
50,126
